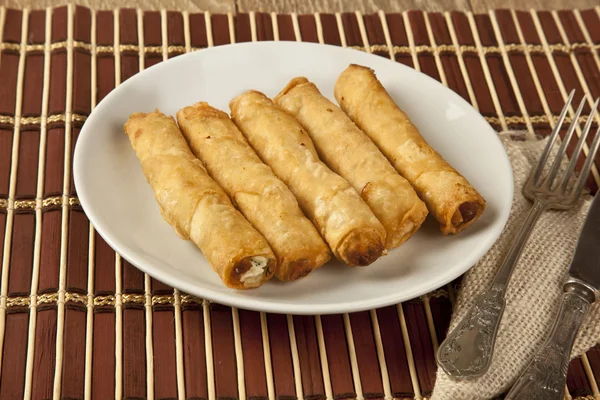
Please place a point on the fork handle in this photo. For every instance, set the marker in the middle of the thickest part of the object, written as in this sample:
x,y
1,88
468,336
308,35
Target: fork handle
x,y
504,273
546,375
466,353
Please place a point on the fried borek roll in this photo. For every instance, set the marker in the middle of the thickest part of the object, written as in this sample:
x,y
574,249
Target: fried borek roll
x,y
349,152
449,197
262,198
196,206
348,225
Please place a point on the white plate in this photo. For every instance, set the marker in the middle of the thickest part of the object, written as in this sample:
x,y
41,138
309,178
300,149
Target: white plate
x,y
118,201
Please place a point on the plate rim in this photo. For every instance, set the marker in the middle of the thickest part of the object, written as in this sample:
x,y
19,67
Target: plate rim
x,y
258,304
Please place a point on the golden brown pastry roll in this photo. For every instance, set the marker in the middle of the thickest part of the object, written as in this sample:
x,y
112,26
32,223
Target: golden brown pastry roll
x,y
196,206
262,198
348,225
349,152
449,197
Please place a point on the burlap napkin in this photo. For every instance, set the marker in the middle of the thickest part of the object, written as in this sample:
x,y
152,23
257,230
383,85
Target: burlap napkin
x,y
535,289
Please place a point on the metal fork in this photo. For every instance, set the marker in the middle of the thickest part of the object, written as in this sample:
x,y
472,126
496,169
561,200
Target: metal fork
x,y
467,351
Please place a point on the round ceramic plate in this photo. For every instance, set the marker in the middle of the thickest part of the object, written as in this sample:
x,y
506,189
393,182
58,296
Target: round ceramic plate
x,y
121,205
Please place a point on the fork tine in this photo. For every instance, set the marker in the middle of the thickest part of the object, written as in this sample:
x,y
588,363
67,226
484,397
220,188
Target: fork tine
x,y
540,167
563,146
585,171
579,147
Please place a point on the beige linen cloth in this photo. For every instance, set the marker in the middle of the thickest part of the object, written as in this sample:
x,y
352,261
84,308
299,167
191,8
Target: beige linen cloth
x,y
535,290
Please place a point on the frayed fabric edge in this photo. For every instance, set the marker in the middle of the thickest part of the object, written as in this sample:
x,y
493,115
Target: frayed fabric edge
x,y
520,136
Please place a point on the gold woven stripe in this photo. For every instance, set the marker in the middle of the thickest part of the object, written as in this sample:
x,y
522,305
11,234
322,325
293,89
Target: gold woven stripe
x,y
52,201
401,49
515,47
59,45
76,45
536,119
133,298
76,298
47,298
543,119
539,119
534,48
562,47
583,46
82,45
153,49
78,118
31,120
22,301
35,47
18,302
5,119
90,48
24,205
163,299
170,299
10,46
187,299
491,50
37,120
129,47
109,300
56,118
468,49
379,47
104,301
515,120
450,48
30,204
176,49
424,49
63,118
104,49
446,48
493,120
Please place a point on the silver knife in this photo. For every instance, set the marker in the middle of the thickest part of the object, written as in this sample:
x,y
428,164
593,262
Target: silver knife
x,y
546,375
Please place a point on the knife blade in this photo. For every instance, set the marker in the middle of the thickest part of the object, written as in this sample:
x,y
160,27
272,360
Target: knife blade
x,y
585,265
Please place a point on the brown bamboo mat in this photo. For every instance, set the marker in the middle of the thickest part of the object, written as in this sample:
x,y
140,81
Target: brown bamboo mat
x,y
77,321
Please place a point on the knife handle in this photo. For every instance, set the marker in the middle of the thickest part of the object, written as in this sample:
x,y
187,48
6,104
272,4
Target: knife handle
x,y
546,375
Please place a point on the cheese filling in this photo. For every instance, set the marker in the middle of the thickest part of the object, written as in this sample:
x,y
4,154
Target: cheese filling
x,y
254,274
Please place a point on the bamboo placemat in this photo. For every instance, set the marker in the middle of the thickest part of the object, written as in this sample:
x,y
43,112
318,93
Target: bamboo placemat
x,y
77,321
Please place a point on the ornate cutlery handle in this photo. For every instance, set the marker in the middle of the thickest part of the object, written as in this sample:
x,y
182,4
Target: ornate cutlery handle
x,y
546,375
467,351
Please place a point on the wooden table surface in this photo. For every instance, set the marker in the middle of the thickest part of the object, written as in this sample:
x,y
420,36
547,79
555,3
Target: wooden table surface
x,y
310,6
